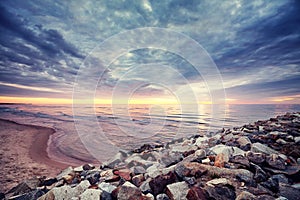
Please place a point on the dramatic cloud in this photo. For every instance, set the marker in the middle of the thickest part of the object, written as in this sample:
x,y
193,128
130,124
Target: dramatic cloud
x,y
255,45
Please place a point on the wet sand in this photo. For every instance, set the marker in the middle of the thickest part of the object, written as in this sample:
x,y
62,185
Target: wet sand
x,y
23,153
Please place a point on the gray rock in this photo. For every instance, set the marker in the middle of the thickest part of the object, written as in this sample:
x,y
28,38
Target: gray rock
x,y
138,170
201,142
200,154
91,194
289,192
116,160
145,186
261,148
65,173
259,174
220,189
183,148
228,151
138,179
107,187
239,159
281,178
64,192
171,159
256,158
281,141
162,196
275,161
177,190
297,139
227,137
244,142
129,191
245,196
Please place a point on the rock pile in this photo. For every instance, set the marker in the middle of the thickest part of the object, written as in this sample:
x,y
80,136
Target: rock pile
x,y
255,161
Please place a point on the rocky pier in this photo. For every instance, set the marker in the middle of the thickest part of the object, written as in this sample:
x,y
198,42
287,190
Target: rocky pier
x,y
260,160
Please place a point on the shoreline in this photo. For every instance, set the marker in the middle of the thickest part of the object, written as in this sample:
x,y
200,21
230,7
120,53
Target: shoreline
x,y
24,153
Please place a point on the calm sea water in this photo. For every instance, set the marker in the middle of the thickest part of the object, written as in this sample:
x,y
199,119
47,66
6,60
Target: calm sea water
x,y
99,132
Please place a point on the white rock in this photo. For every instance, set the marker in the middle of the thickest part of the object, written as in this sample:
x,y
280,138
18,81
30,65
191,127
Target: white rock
x,y
297,139
227,150
218,181
177,190
91,194
201,140
106,187
200,153
80,188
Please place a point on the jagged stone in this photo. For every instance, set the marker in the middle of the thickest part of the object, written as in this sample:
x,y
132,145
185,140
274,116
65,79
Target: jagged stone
x,y
90,194
196,193
239,159
65,173
159,183
128,191
256,158
177,190
275,161
220,189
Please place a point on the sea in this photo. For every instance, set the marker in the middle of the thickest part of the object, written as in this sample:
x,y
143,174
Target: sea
x,y
93,134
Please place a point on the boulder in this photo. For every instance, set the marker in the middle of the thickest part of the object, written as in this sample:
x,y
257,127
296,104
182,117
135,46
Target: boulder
x,y
257,158
107,187
196,193
177,190
289,192
128,191
159,183
220,189
275,161
65,173
91,194
261,148
239,159
228,151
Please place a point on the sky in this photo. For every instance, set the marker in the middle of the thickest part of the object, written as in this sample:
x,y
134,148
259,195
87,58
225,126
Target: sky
x,y
253,44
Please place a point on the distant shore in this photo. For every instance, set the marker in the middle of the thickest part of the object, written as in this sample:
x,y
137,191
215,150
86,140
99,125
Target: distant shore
x,y
23,152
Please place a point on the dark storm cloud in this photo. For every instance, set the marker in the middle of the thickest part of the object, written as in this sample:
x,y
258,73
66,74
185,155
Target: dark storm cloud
x,y
274,40
50,42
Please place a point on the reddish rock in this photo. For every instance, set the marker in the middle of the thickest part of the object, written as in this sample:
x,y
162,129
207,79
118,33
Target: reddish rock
x,y
124,173
159,183
220,160
196,193
189,169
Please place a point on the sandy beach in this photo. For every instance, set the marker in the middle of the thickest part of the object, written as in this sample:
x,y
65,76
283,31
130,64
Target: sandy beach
x,y
23,153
